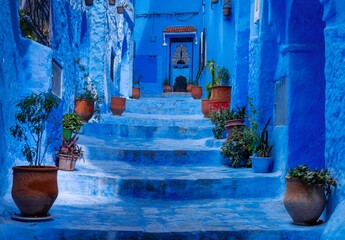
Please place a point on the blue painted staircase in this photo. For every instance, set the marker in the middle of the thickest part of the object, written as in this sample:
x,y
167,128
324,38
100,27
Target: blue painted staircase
x,y
156,173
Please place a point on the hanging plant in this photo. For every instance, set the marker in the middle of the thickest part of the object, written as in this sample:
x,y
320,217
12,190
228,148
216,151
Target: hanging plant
x,y
88,2
227,8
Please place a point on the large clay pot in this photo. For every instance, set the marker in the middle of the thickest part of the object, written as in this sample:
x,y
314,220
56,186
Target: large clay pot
x,y
136,93
112,2
117,105
189,87
221,94
196,92
34,189
84,109
67,161
230,124
205,107
305,203
214,1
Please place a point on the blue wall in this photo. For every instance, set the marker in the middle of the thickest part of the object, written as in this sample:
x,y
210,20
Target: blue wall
x,y
301,41
26,65
334,17
148,35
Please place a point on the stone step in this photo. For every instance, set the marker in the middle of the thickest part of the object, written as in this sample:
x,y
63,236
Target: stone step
x,y
112,179
151,151
164,106
150,126
83,217
157,120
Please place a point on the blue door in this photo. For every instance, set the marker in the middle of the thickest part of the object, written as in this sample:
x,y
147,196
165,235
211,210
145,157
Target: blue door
x,y
181,62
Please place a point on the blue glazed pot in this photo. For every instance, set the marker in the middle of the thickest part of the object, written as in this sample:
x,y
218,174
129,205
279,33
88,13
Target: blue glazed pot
x,y
261,164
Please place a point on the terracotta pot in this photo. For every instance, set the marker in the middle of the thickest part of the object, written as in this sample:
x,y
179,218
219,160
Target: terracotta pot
x,y
216,106
196,92
205,107
88,2
305,203
120,9
167,88
112,2
220,94
214,1
136,93
189,87
261,164
226,11
84,109
230,124
117,105
67,161
34,190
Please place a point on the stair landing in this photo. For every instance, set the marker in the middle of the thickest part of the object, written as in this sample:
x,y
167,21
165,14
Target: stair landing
x,y
122,218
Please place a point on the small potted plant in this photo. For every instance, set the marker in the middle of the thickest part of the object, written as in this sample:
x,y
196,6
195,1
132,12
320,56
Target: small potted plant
x,y
218,119
227,8
166,86
34,187
239,147
196,90
88,2
87,103
205,103
261,159
136,87
120,8
220,94
237,119
190,84
69,153
306,192
71,122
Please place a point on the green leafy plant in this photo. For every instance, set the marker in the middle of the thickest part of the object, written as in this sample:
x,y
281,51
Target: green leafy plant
x,y
240,147
165,82
263,148
31,119
209,90
313,177
25,27
218,119
70,147
136,81
71,121
214,69
240,112
224,76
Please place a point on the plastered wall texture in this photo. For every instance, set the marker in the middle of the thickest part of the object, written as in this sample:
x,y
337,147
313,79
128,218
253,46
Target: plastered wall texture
x,y
26,66
334,112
